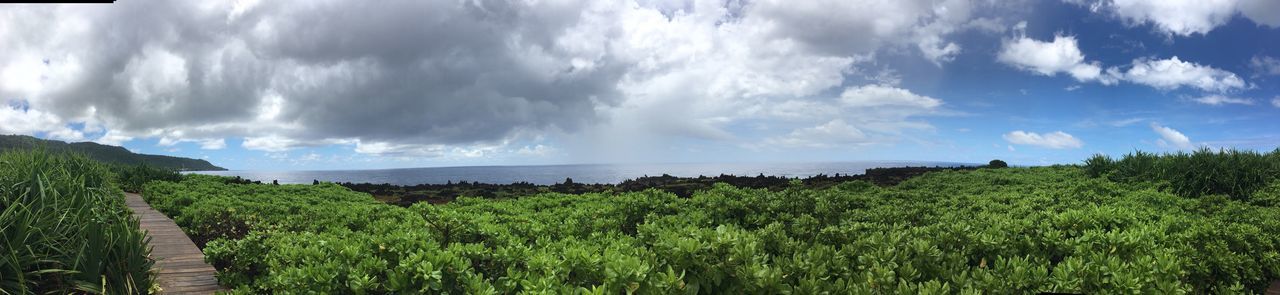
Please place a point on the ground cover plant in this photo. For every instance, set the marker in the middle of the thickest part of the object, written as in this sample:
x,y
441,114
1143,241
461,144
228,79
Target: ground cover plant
x,y
1012,230
64,228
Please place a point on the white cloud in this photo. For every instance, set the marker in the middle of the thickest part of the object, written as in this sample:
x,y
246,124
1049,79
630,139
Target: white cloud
x,y
66,134
1217,99
880,95
1053,140
1125,122
113,137
174,137
15,120
269,143
835,26
831,134
1275,102
213,144
1170,138
1050,58
309,157
861,115
402,150
261,71
1265,65
536,150
1063,55
1173,73
1186,17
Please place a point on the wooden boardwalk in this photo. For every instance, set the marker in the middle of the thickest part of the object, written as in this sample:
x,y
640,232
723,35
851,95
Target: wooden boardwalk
x,y
179,262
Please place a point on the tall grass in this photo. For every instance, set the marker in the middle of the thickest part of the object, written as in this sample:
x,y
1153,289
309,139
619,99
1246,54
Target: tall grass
x,y
1234,173
64,228
132,177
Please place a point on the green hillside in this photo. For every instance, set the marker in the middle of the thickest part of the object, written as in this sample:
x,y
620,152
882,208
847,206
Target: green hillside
x,y
106,153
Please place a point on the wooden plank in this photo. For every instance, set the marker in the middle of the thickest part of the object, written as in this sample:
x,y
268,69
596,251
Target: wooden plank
x,y
180,266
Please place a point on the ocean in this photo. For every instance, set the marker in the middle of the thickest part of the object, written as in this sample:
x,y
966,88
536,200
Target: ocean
x,y
551,174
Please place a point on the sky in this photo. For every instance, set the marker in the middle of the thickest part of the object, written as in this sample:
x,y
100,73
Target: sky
x,y
323,84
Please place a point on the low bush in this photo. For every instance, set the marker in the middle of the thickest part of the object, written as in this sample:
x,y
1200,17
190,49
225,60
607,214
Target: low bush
x,y
1016,230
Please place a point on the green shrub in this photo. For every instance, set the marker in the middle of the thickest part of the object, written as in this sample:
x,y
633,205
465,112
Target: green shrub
x,y
1268,196
1017,230
65,228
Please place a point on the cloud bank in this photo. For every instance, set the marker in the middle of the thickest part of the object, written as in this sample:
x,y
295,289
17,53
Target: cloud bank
x,y
1186,17
1063,55
1052,140
427,77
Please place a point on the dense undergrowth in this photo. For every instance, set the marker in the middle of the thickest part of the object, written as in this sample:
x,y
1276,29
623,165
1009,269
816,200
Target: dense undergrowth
x,y
1233,173
1014,231
132,177
64,228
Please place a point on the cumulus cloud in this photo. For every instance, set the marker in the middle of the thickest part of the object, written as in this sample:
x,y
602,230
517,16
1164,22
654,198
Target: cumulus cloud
x,y
390,149
112,138
885,96
1264,65
830,134
17,120
1170,138
1216,99
1052,140
536,150
861,115
270,143
1174,73
1186,17
213,144
1062,55
1275,102
414,77
424,71
840,27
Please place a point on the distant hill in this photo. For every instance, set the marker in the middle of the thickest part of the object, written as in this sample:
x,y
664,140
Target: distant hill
x,y
107,153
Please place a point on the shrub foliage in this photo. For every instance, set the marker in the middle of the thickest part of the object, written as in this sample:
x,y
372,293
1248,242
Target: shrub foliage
x,y
1016,231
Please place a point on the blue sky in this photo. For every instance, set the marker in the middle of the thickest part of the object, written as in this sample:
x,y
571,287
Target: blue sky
x,y
260,85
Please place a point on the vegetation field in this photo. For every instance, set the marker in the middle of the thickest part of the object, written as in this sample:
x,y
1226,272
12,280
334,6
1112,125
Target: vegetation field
x,y
1095,228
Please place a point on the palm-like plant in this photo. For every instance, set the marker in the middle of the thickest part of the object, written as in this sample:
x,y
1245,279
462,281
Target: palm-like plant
x,y
64,228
